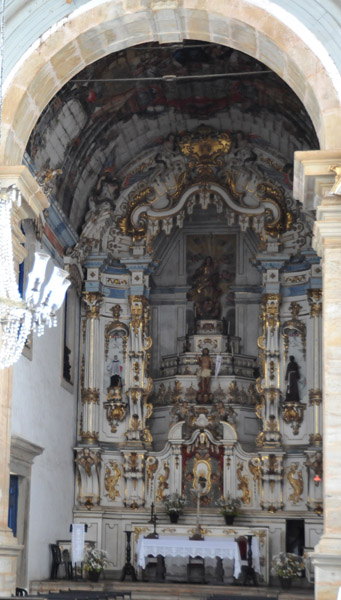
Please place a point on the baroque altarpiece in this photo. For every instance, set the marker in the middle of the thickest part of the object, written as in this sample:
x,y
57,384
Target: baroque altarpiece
x,y
200,345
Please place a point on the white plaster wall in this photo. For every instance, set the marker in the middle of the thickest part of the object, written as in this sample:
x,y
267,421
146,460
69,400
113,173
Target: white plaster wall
x,y
44,413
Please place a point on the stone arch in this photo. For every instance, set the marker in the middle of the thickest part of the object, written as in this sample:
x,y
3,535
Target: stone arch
x,y
96,30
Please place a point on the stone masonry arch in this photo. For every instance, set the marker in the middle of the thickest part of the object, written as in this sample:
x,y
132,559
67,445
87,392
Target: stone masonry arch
x,y
98,29
101,27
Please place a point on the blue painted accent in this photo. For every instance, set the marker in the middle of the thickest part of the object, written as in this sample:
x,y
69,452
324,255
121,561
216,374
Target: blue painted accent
x,y
59,229
21,279
92,286
116,271
92,264
137,290
272,265
56,219
296,290
297,267
255,289
316,282
112,293
174,290
13,503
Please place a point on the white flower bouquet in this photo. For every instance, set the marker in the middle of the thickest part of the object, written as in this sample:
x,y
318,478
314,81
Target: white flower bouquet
x,y
287,565
229,506
95,560
174,503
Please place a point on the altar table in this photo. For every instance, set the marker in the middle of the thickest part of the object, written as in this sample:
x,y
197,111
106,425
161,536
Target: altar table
x,y
174,546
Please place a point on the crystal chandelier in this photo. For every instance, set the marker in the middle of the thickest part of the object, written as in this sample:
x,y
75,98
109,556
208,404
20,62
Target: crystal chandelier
x,y
19,316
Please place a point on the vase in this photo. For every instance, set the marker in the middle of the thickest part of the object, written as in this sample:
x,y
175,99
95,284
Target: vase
x,y
285,583
94,575
229,519
174,517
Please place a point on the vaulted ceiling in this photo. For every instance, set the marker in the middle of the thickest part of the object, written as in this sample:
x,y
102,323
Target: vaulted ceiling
x,y
130,102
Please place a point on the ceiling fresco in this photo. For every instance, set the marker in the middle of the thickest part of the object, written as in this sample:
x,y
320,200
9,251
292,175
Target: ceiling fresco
x,y
141,101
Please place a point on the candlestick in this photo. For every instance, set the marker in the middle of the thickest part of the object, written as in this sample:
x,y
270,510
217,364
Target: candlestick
x,y
128,569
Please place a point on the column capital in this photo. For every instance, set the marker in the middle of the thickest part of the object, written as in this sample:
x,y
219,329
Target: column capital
x,y
314,297
33,197
92,302
327,227
33,201
315,176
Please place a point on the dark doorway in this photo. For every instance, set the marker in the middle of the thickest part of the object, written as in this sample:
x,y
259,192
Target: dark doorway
x,y
295,536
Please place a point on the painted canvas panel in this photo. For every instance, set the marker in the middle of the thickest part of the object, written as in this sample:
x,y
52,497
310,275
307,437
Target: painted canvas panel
x,y
211,270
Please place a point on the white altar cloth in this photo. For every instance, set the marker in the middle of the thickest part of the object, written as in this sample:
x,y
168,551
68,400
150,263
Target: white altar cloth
x,y
174,546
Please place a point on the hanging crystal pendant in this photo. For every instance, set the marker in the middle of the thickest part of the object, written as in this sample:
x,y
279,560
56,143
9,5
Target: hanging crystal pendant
x,y
19,317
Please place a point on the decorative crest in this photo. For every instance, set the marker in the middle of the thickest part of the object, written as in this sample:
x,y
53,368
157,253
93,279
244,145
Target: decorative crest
x,y
205,148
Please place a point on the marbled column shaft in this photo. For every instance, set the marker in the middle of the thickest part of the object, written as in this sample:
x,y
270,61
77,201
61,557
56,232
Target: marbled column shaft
x,y
91,383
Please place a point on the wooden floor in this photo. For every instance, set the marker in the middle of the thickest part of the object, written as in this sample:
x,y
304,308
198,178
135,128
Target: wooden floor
x,y
174,591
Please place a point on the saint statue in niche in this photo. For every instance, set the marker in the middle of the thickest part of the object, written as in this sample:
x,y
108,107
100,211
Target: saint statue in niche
x,y
115,372
114,368
205,290
291,377
205,363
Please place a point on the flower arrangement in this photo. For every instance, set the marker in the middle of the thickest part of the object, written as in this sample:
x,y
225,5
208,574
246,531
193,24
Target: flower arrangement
x,y
229,506
174,503
287,565
95,560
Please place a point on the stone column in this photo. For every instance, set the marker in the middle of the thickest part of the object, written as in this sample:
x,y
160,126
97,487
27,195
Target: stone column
x,y
327,557
33,201
90,383
316,188
9,549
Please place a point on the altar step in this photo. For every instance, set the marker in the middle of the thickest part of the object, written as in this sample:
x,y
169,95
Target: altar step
x,y
161,591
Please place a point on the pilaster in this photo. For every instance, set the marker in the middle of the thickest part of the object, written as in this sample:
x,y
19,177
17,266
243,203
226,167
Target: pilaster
x,y
314,174
315,393
90,383
33,201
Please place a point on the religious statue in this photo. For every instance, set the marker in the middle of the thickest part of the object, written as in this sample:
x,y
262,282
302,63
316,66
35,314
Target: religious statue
x,y
205,291
291,377
115,370
205,363
200,489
